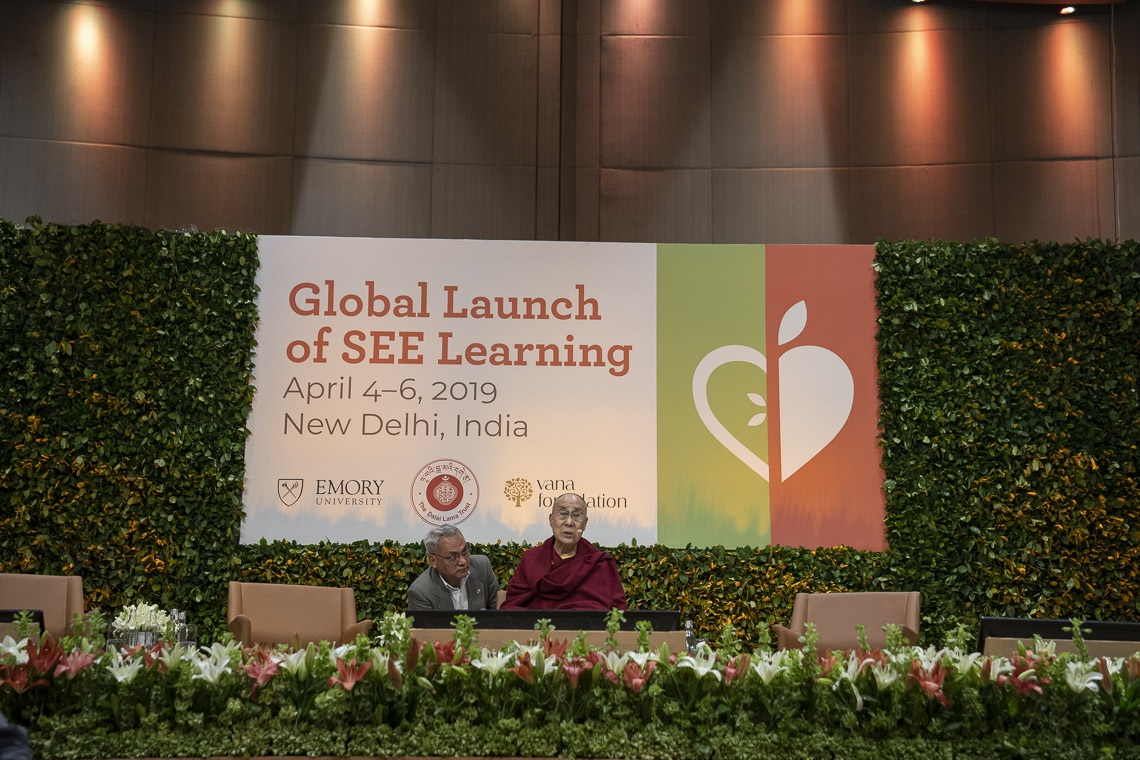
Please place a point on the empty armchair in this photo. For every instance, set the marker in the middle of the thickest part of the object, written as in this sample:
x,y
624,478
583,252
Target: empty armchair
x,y
836,616
59,596
278,613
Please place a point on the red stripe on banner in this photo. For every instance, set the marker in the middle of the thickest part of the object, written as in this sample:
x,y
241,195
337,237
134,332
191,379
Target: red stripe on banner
x,y
826,474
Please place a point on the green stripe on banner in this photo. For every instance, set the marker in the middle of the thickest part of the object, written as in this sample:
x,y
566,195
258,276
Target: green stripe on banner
x,y
709,486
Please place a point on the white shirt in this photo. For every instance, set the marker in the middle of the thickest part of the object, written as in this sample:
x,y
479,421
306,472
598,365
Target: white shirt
x,y
458,595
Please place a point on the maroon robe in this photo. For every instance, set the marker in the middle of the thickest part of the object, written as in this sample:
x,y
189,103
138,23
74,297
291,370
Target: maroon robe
x,y
544,581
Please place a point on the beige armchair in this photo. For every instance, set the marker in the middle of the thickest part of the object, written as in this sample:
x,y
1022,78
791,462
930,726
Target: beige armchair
x,y
279,613
59,596
836,615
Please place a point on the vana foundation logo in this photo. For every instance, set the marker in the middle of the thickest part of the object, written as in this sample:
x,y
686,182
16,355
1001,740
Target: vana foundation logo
x,y
816,394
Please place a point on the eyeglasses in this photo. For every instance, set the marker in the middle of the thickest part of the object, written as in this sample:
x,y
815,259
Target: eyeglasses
x,y
576,516
451,559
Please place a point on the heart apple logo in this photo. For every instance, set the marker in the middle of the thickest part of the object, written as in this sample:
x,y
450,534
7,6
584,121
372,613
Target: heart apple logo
x,y
817,392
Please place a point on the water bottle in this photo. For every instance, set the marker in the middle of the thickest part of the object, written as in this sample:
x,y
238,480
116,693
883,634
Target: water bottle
x,y
690,637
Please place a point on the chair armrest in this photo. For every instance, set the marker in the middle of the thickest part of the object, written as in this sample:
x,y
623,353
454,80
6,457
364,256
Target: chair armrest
x,y
354,630
910,635
242,629
786,638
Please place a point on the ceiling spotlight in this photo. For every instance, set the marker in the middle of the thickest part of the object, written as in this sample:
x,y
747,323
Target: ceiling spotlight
x,y
1067,10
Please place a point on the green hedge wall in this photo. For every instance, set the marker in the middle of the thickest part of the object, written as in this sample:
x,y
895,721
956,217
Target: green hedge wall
x,y
1010,424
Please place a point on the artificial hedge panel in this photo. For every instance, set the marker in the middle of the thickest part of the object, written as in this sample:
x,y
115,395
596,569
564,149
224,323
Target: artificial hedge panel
x,y
1009,417
127,355
1010,425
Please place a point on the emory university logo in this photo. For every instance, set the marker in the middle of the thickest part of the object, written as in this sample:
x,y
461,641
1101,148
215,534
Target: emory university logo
x,y
289,490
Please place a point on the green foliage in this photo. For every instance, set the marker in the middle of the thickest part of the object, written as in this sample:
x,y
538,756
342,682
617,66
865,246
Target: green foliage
x,y
1010,424
401,698
126,364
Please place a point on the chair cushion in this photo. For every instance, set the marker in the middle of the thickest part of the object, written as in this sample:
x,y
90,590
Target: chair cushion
x,y
278,612
836,615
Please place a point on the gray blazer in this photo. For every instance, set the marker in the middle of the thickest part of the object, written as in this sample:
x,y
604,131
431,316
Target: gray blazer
x,y
427,592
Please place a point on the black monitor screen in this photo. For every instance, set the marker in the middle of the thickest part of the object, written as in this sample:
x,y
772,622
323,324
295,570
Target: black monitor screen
x,y
1027,628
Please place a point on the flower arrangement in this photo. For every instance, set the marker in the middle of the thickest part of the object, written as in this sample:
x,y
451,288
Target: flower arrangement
x,y
141,617
562,697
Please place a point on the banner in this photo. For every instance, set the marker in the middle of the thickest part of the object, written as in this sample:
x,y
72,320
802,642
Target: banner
x,y
408,383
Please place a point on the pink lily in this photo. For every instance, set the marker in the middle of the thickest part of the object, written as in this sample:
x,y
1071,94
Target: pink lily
x,y
348,673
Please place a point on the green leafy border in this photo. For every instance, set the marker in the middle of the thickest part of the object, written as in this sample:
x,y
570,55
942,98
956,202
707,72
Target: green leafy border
x,y
1010,424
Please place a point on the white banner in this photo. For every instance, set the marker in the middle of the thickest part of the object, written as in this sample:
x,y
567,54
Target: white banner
x,y
409,383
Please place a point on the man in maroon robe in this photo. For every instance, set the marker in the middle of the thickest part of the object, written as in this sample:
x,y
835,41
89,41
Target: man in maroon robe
x,y
566,572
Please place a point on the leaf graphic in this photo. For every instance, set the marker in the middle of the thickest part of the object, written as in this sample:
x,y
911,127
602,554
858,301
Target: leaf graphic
x,y
793,322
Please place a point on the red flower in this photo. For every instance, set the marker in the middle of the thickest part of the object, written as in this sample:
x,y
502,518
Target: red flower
x,y
524,669
18,678
735,667
635,676
261,669
573,669
556,648
74,663
930,681
1024,677
348,673
43,657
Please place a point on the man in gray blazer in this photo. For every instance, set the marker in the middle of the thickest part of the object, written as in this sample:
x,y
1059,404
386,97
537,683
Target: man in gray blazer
x,y
455,579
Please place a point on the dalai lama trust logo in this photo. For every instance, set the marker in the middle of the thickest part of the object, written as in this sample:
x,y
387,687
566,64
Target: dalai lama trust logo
x,y
445,492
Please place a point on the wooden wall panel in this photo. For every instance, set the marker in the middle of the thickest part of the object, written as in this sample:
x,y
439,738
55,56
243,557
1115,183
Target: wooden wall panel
x,y
780,205
778,17
484,202
224,84
187,190
655,100
71,183
365,93
359,198
673,206
76,72
947,202
1053,200
780,102
637,17
730,121
485,98
1046,100
920,98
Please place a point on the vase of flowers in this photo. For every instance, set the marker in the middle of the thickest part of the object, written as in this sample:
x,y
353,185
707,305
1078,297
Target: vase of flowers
x,y
141,625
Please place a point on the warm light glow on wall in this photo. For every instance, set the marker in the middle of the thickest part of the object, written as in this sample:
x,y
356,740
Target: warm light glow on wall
x,y
226,74
89,75
1068,74
366,12
921,90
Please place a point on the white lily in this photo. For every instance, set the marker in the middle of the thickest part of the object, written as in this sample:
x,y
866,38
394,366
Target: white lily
x,y
492,662
642,658
297,662
703,662
170,656
884,674
379,658
769,666
1082,676
124,669
16,649
210,670
614,661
